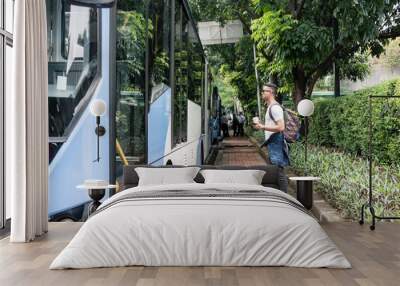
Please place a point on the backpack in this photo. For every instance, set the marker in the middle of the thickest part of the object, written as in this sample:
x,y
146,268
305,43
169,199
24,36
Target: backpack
x,y
292,124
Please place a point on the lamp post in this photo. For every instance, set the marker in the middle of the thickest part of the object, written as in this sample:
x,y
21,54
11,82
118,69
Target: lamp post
x,y
257,81
98,109
305,184
305,108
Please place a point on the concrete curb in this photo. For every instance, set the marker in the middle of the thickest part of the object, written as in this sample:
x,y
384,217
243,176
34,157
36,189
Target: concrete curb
x,y
322,210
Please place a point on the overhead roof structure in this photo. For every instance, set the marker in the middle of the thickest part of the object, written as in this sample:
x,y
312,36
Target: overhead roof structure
x,y
93,3
214,33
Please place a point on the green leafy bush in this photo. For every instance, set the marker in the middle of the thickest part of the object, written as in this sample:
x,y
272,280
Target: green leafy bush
x,y
344,180
256,134
343,123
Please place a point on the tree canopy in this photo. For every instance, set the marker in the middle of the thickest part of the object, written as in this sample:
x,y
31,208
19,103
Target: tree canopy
x,y
299,40
303,38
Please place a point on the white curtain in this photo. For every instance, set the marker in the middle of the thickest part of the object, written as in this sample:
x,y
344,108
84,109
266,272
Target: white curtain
x,y
27,124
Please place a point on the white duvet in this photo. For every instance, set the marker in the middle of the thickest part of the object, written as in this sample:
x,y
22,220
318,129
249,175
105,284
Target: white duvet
x,y
200,231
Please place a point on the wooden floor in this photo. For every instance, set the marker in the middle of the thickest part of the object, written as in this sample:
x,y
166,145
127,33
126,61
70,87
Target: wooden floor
x,y
375,257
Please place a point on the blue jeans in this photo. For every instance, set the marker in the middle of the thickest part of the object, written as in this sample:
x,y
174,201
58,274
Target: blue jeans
x,y
278,150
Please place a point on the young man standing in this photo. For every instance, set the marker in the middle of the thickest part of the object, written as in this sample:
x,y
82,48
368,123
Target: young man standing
x,y
274,126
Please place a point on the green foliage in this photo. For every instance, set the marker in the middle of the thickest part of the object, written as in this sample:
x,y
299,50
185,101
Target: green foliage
x,y
161,67
344,180
290,41
234,66
343,123
226,91
354,68
131,41
296,41
221,10
344,175
299,43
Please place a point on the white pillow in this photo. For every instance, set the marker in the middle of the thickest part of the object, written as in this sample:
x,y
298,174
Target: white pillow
x,y
248,177
166,176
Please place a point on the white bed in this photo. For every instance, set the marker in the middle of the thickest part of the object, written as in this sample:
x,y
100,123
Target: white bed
x,y
185,230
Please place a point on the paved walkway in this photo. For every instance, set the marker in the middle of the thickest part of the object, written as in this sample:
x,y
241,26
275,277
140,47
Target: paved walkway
x,y
239,151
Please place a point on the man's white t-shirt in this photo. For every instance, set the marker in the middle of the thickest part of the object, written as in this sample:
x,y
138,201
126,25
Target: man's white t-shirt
x,y
277,113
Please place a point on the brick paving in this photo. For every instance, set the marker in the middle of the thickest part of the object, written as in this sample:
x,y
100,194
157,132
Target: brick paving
x,y
239,151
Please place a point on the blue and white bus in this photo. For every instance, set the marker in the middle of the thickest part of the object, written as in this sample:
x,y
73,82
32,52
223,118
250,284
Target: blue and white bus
x,y
145,60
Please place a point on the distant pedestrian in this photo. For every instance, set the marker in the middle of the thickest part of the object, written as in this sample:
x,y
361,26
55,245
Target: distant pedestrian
x,y
235,125
242,120
224,125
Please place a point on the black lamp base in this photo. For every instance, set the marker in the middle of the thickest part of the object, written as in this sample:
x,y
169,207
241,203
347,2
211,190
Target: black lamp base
x,y
96,195
305,193
100,131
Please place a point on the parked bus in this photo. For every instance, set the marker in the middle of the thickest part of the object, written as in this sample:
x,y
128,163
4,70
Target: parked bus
x,y
145,60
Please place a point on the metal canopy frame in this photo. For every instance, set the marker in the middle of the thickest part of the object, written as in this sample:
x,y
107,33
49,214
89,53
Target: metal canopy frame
x,y
94,3
369,204
215,33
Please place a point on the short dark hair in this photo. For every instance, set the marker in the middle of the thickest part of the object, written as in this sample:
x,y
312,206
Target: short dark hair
x,y
273,86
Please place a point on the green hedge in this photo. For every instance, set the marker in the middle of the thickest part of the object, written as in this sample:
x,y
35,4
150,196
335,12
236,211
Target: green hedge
x,y
343,122
344,180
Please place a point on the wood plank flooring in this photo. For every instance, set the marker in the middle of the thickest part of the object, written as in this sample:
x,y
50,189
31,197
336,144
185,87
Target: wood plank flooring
x,y
375,257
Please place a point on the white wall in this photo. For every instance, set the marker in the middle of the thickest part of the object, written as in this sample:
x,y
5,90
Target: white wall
x,y
379,73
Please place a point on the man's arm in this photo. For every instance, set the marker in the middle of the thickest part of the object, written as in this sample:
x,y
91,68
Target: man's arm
x,y
279,127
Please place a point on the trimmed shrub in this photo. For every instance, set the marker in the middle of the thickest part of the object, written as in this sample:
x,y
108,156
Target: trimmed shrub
x,y
343,122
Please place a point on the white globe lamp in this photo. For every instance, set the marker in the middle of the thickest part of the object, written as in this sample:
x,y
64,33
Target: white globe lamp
x,y
305,107
98,108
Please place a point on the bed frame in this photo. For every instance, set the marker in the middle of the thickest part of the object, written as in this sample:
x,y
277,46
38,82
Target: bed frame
x,y
271,178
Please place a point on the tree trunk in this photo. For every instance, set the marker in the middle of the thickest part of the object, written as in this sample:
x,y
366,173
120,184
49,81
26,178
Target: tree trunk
x,y
300,84
310,86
